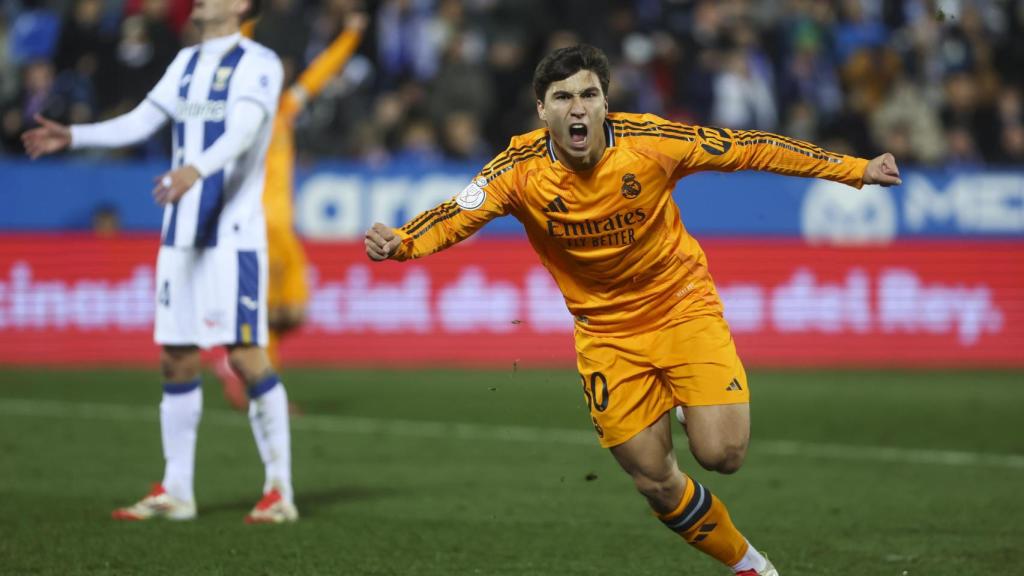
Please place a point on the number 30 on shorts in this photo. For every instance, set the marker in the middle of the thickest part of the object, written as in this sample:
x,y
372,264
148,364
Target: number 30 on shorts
x,y
596,390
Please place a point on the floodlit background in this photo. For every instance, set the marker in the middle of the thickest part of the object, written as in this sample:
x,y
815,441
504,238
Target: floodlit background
x,y
443,430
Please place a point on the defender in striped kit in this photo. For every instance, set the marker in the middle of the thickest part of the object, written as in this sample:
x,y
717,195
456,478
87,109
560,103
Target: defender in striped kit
x,y
288,289
594,192
211,287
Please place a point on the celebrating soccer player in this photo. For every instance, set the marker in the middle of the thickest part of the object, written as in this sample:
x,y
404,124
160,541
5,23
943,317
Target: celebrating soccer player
x,y
594,191
212,265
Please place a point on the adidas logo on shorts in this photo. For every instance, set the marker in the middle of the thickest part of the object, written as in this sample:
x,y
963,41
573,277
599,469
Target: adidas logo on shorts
x,y
734,385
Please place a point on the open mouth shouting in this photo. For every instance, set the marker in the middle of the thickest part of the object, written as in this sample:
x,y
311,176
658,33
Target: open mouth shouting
x,y
578,136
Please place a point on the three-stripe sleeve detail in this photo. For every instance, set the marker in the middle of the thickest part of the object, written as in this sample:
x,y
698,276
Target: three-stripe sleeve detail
x,y
424,222
752,137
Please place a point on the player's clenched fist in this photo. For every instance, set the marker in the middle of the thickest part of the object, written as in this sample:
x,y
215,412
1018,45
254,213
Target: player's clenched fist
x,y
882,170
381,242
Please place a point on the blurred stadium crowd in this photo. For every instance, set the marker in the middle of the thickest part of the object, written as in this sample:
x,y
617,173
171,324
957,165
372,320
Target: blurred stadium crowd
x,y
937,82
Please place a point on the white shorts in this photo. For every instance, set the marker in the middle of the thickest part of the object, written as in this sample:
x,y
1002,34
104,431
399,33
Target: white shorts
x,y
211,296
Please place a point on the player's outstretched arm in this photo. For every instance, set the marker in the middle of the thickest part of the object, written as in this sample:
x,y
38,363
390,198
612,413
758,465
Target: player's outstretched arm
x,y
708,148
322,69
381,242
487,197
129,128
882,170
326,65
49,137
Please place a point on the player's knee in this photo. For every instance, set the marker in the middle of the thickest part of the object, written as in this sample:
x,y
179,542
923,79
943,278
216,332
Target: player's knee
x,y
725,457
241,364
179,363
732,460
249,362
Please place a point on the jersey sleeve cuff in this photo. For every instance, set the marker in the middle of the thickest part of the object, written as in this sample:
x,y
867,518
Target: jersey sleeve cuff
x,y
857,170
404,251
76,137
203,172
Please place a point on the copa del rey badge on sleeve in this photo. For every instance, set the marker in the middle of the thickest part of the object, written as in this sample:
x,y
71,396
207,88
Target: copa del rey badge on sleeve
x,y
473,195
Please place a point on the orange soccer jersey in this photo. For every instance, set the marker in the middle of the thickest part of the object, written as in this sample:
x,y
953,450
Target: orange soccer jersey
x,y
612,236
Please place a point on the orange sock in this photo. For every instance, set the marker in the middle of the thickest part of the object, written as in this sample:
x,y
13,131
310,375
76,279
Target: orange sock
x,y
702,520
272,349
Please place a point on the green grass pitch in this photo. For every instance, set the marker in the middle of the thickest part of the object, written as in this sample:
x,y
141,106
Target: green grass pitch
x,y
446,472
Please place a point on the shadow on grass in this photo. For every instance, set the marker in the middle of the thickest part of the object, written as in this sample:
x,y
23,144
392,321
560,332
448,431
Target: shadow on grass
x,y
309,502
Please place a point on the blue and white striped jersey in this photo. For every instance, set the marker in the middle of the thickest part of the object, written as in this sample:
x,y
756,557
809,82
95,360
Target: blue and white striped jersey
x,y
197,92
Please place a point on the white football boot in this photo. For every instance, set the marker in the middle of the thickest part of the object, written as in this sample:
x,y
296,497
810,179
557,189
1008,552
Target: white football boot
x,y
768,570
272,509
157,504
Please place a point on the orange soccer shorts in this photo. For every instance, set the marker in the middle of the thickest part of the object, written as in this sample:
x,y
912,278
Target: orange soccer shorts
x,y
631,381
288,284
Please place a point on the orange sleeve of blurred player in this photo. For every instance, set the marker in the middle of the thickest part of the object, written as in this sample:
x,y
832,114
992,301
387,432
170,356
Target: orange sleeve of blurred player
x,y
277,195
319,73
313,79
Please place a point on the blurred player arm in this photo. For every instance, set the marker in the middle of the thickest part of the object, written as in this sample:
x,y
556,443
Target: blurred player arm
x,y
135,126
243,125
728,150
130,128
324,67
142,122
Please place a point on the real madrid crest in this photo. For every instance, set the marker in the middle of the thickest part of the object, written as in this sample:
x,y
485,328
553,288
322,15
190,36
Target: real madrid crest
x,y
630,186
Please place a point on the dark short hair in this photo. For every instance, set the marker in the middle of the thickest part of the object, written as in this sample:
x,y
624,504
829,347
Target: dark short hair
x,y
565,62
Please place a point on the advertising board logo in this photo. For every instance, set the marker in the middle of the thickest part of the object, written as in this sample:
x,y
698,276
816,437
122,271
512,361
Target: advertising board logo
x,y
834,213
